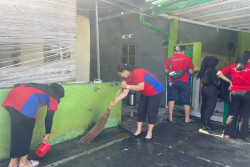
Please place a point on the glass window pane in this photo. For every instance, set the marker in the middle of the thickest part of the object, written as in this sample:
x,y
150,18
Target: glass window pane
x,y
124,60
131,49
124,50
132,60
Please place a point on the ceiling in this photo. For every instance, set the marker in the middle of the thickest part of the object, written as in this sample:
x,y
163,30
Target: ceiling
x,y
221,14
108,9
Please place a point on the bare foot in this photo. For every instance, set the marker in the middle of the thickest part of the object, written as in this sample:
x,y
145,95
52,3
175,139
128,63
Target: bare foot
x,y
226,136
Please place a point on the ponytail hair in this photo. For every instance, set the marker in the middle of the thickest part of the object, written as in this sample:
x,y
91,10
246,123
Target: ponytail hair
x,y
122,67
243,61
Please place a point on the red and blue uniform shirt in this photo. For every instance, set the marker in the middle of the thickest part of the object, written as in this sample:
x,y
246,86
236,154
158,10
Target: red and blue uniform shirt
x,y
240,80
151,85
27,100
180,62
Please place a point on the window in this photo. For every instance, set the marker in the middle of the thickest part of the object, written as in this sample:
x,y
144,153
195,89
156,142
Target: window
x,y
56,52
9,55
128,53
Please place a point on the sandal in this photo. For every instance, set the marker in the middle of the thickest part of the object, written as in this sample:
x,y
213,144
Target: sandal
x,y
190,122
15,165
34,163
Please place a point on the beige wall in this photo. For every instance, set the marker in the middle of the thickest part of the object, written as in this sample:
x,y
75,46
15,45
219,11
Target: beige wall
x,y
83,48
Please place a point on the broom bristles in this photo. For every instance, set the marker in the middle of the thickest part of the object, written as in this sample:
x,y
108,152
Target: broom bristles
x,y
98,127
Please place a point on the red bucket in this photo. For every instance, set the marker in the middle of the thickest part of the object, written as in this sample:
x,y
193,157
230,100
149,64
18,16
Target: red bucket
x,y
42,149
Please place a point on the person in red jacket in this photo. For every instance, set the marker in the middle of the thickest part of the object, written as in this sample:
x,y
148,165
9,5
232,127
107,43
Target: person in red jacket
x,y
151,94
180,89
23,103
239,97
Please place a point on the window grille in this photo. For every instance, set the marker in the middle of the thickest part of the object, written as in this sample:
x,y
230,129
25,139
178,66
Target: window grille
x,y
37,41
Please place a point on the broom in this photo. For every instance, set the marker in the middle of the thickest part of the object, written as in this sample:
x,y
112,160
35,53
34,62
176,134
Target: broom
x,y
97,129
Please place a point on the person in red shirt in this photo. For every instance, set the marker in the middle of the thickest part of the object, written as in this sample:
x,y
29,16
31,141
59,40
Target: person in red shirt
x,y
239,97
180,88
151,94
23,103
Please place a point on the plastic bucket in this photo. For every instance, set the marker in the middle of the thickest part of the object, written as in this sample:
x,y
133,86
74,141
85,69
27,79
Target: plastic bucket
x,y
42,149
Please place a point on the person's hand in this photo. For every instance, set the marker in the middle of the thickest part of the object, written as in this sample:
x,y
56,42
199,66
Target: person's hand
x,y
111,104
196,69
230,86
46,138
124,84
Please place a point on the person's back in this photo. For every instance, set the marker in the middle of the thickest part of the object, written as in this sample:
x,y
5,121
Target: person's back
x,y
179,88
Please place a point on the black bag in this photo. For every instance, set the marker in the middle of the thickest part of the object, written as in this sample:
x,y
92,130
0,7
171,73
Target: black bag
x,y
175,74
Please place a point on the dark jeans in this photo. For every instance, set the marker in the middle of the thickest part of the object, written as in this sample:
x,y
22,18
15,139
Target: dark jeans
x,y
179,90
239,106
209,100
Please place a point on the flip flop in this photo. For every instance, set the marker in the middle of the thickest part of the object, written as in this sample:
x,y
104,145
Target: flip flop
x,y
34,163
168,120
190,122
15,165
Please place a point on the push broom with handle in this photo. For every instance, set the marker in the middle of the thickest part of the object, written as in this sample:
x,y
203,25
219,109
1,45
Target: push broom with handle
x,y
98,127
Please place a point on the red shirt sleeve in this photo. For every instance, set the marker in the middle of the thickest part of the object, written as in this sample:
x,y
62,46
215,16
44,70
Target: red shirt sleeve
x,y
167,64
226,70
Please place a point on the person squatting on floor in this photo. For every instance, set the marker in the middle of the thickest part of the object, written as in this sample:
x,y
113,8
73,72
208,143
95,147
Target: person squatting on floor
x,y
180,88
151,94
23,103
209,93
239,97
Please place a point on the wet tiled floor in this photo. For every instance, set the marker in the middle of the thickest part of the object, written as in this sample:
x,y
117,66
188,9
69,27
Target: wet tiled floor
x,y
174,145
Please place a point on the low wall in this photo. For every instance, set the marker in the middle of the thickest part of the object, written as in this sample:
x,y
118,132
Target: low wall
x,y
81,107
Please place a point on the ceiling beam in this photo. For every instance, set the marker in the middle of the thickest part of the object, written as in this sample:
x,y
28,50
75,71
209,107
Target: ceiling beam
x,y
176,5
202,7
219,13
240,25
228,18
202,23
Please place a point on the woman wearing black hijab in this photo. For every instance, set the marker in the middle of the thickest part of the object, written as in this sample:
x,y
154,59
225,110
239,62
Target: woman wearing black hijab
x,y
209,79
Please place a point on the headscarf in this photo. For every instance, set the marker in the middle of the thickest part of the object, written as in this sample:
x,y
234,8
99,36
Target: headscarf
x,y
208,62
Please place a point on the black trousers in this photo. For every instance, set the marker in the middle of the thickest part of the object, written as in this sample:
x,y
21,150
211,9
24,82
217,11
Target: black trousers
x,y
209,100
148,108
239,107
21,133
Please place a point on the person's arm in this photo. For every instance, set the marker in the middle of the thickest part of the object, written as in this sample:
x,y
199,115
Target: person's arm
x,y
48,125
139,87
193,71
167,66
222,76
120,97
126,89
